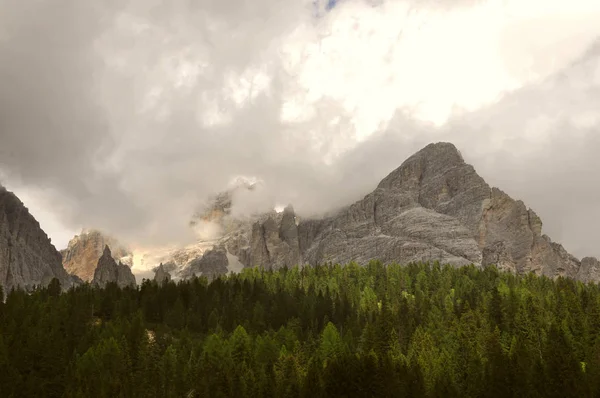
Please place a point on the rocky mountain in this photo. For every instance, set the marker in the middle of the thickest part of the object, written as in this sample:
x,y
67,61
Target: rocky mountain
x,y
161,274
589,270
434,207
212,263
108,270
84,250
27,256
216,218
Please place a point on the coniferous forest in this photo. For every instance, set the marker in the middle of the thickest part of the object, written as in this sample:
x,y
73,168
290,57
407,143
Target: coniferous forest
x,y
329,331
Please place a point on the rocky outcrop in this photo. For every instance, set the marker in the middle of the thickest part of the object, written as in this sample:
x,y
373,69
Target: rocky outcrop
x,y
27,256
274,242
84,250
213,263
589,271
434,207
108,271
161,274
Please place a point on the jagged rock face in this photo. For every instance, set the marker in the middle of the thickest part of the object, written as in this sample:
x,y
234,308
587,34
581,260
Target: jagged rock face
x,y
434,207
27,256
274,241
214,262
162,275
589,270
83,252
108,270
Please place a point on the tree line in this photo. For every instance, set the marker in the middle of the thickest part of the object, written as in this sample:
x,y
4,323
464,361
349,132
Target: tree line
x,y
421,330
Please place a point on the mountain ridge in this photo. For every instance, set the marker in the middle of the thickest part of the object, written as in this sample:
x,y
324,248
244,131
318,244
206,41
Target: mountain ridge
x,y
27,256
433,207
109,271
83,251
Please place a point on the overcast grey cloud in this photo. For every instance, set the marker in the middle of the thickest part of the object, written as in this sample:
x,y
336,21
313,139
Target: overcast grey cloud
x,y
539,144
126,115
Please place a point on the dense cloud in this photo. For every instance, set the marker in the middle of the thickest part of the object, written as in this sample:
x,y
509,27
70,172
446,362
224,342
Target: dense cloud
x,y
539,144
126,115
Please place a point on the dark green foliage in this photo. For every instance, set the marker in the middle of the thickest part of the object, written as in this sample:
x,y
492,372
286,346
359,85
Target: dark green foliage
x,y
344,331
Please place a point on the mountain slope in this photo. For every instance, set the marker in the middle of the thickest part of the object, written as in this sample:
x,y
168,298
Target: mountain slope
x,y
436,207
433,207
84,250
108,271
27,256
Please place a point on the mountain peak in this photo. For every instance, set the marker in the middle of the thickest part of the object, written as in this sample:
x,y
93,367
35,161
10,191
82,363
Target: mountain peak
x,y
82,254
27,256
108,270
161,274
441,146
433,160
434,207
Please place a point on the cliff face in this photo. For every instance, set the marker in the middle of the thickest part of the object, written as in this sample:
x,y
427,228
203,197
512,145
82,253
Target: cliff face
x,y
589,271
108,270
27,256
161,274
274,241
212,263
434,207
83,252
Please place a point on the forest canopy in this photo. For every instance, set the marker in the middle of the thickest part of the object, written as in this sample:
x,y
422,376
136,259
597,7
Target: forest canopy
x,y
421,330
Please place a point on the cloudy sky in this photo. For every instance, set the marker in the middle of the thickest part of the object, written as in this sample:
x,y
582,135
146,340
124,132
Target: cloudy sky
x,y
125,115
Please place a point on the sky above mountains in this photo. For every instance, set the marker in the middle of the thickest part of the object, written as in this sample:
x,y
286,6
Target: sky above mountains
x,y
125,116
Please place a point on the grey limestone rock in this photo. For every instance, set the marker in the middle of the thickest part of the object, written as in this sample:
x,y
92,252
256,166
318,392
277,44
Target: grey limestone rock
x,y
274,242
27,256
108,271
161,274
589,270
434,207
213,263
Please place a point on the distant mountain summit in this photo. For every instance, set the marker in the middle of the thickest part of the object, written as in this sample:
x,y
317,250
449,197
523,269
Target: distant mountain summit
x,y
109,271
434,207
84,250
161,275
